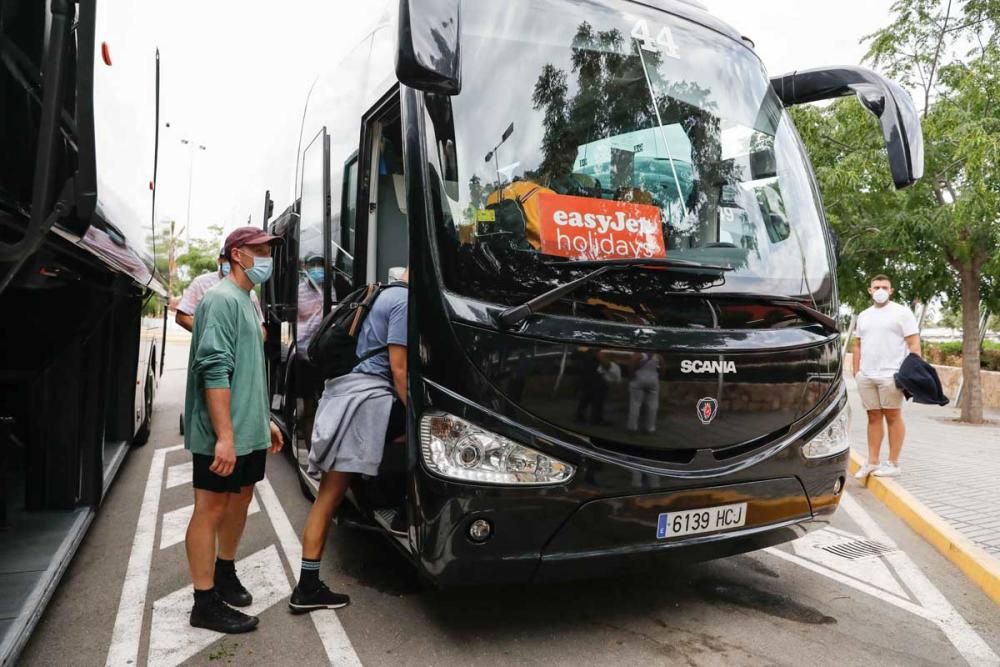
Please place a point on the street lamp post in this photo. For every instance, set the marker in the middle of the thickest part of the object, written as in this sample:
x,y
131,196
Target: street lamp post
x,y
187,225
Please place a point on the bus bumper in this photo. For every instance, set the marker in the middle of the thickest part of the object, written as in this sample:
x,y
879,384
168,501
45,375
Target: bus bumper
x,y
545,538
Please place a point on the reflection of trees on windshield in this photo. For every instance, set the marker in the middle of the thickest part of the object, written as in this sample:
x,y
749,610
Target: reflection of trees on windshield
x,y
612,98
566,122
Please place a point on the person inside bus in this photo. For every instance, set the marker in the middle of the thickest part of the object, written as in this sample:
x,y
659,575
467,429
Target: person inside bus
x,y
310,305
308,317
229,431
199,286
358,414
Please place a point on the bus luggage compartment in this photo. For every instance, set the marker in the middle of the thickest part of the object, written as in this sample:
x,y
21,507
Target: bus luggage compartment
x,y
616,535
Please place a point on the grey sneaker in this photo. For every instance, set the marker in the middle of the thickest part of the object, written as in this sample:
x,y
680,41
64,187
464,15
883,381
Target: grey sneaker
x,y
865,470
888,469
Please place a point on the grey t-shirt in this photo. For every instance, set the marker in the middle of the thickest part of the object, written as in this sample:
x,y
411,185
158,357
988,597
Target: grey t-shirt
x,y
385,325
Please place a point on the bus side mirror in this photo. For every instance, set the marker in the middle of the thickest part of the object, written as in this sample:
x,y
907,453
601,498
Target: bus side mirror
x,y
904,139
428,56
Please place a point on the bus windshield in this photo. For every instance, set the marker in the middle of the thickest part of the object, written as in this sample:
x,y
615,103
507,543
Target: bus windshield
x,y
609,131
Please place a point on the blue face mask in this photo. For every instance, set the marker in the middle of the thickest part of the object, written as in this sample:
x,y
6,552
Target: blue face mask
x,y
224,268
317,274
260,271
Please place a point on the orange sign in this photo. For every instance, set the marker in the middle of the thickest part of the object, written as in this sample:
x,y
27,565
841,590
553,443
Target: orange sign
x,y
586,228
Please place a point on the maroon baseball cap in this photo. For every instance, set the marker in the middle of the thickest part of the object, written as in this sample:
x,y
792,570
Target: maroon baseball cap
x,y
242,236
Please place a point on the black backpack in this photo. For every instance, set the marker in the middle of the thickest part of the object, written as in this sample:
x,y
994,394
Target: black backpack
x,y
333,348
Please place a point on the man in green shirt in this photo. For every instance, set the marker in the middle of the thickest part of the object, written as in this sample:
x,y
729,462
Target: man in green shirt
x,y
228,429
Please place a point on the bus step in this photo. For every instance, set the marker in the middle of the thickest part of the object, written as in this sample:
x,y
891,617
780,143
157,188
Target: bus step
x,y
348,517
387,517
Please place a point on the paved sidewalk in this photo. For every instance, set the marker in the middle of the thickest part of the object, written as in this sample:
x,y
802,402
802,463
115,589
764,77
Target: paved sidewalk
x,y
952,468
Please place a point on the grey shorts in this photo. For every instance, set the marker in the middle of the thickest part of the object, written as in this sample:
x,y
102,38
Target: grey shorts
x,y
879,393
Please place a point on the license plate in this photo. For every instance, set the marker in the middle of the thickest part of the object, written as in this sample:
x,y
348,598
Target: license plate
x,y
692,522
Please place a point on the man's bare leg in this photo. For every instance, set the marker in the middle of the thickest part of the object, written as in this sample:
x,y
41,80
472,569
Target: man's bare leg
x,y
233,522
332,489
310,593
210,611
227,582
897,433
875,433
209,510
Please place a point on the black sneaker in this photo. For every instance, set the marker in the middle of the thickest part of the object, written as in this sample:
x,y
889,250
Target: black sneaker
x,y
214,614
228,585
321,598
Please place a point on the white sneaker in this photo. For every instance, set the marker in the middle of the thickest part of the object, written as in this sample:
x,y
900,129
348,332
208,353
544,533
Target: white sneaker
x,y
865,470
888,469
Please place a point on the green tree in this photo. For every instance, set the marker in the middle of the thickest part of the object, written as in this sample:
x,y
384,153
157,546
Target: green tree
x,y
943,234
165,247
201,256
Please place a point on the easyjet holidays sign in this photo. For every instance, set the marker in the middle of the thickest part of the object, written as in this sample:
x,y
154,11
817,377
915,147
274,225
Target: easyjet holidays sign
x,y
585,228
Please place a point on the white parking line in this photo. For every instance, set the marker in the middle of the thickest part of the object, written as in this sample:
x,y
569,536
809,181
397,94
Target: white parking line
x,y
336,643
959,632
124,648
932,605
821,547
885,596
172,640
179,474
175,523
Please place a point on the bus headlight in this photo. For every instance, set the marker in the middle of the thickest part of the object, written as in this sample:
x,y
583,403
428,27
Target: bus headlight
x,y
834,439
454,448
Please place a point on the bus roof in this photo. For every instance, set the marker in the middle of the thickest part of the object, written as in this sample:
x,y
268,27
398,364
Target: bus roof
x,y
697,12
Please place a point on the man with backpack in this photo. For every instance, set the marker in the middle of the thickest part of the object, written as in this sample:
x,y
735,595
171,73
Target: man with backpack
x,y
352,423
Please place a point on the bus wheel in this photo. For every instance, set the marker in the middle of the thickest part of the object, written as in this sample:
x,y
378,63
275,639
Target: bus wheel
x,y
307,491
182,423
142,435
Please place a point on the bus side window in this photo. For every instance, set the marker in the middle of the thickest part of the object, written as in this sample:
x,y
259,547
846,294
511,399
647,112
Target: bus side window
x,y
342,237
313,211
392,232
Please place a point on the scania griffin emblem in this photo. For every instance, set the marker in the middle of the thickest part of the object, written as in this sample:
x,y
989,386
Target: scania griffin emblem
x,y
707,409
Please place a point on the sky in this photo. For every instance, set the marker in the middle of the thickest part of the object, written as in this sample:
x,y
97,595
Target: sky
x,y
235,77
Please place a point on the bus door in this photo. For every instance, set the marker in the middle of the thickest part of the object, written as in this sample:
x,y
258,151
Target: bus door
x,y
382,254
304,292
279,296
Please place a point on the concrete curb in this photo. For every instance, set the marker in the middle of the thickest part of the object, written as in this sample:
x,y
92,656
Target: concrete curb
x,y
979,566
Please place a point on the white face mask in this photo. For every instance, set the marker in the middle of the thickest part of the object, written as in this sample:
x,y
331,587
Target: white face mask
x,y
880,296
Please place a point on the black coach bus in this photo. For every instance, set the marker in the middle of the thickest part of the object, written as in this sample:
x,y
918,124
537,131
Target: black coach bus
x,y
82,309
622,311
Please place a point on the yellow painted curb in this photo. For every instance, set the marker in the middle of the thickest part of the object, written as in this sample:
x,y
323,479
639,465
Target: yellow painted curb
x,y
979,566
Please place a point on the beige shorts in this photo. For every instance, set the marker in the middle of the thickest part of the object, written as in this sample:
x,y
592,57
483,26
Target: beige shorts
x,y
879,393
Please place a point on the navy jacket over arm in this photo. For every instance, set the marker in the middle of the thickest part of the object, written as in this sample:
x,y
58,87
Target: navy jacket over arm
x,y
920,381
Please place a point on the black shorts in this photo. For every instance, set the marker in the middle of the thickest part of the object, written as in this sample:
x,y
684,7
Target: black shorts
x,y
248,471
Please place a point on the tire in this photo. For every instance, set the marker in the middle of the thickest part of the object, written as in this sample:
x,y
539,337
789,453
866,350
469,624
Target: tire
x,y
142,435
307,490
181,420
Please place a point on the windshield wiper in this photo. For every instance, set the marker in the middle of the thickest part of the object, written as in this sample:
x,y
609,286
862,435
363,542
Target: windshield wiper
x,y
788,302
658,262
515,315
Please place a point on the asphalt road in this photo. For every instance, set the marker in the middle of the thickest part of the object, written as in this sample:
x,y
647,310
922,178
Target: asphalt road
x,y
125,597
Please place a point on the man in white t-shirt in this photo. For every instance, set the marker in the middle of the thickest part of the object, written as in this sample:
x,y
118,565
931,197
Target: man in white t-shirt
x,y
196,291
886,333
